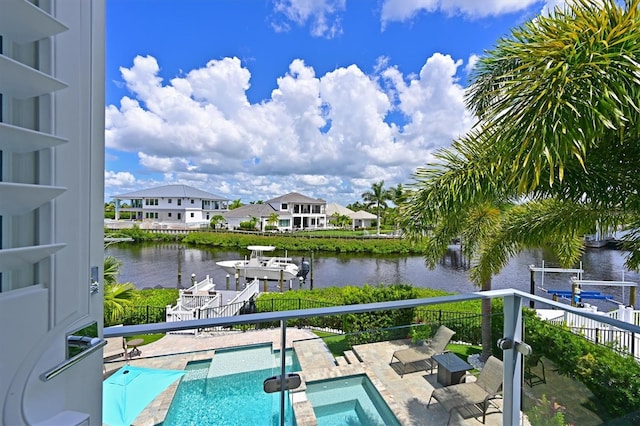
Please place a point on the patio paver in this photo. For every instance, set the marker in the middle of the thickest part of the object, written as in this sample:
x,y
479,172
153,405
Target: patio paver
x,y
407,396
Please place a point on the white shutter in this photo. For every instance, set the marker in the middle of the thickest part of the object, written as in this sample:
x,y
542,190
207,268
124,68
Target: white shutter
x,y
25,141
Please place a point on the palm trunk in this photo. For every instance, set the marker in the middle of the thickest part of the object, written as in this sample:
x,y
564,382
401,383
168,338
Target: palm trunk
x,y
487,344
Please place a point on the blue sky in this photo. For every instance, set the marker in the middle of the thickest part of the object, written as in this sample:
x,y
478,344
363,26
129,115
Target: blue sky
x,y
253,99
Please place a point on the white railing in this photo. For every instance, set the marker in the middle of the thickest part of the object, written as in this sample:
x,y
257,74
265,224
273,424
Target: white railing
x,y
191,305
233,307
602,333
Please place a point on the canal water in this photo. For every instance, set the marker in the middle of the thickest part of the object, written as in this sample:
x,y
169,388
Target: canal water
x,y
171,266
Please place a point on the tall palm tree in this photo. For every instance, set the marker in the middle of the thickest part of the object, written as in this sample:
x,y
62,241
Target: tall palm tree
x,y
556,138
377,197
448,202
557,102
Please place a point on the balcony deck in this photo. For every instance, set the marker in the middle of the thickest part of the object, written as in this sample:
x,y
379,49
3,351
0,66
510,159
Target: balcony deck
x,y
407,397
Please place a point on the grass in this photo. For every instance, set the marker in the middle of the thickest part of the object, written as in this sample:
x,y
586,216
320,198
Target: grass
x,y
337,344
463,351
147,338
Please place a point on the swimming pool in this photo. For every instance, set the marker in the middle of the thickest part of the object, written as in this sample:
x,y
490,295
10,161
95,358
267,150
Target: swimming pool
x,y
351,400
227,390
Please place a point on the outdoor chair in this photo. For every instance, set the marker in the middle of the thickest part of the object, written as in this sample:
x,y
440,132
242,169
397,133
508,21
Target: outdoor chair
x,y
114,348
479,393
424,353
530,377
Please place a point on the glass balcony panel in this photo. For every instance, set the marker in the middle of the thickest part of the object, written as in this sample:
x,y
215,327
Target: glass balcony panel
x,y
350,350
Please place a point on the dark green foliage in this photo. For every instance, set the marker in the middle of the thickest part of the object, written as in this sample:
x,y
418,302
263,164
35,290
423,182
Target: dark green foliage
x,y
378,325
305,242
156,297
148,306
140,235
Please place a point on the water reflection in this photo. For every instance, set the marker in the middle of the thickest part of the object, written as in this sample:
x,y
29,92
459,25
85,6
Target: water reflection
x,y
171,265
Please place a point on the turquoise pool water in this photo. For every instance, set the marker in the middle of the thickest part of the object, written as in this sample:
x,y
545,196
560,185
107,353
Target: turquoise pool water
x,y
351,400
227,390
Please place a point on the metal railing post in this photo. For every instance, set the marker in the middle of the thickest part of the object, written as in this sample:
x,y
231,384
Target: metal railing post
x,y
512,361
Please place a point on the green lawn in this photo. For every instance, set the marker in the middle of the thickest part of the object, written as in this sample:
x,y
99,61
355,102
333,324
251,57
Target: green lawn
x,y
337,344
147,338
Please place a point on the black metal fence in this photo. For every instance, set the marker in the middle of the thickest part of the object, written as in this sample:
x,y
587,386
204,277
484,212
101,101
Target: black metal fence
x,y
466,325
134,315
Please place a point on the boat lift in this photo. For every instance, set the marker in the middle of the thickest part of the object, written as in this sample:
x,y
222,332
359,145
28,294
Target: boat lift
x,y
577,294
533,269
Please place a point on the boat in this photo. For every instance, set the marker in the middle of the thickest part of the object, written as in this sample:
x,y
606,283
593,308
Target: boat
x,y
259,265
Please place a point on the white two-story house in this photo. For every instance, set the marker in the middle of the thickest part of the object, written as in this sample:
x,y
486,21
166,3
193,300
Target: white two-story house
x,y
305,212
179,204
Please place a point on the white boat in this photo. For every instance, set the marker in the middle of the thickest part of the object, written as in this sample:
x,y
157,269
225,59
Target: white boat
x,y
259,265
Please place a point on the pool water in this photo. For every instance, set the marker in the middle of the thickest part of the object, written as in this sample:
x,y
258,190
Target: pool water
x,y
352,401
228,389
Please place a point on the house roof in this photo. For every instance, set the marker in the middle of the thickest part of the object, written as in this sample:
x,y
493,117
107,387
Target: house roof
x,y
337,208
171,191
294,197
253,210
361,214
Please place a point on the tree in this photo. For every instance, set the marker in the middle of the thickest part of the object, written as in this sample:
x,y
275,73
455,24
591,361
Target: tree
x,y
235,204
116,295
273,219
491,225
216,220
377,197
558,113
554,151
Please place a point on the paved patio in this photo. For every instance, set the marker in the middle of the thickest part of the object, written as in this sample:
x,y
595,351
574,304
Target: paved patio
x,y
407,397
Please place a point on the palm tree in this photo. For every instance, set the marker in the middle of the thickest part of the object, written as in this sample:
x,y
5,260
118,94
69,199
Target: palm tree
x,y
116,296
235,204
555,150
448,202
557,103
111,270
273,219
216,219
377,197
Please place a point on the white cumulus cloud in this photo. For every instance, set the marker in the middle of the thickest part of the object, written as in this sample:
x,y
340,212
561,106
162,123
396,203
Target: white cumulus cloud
x,y
323,16
406,10
328,134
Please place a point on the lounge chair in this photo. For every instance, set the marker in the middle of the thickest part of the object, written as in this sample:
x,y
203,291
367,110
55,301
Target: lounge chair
x,y
114,348
531,377
487,387
424,353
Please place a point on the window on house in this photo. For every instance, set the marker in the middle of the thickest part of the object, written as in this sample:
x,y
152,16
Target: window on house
x,y
192,215
179,216
284,206
169,201
179,201
193,201
169,214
